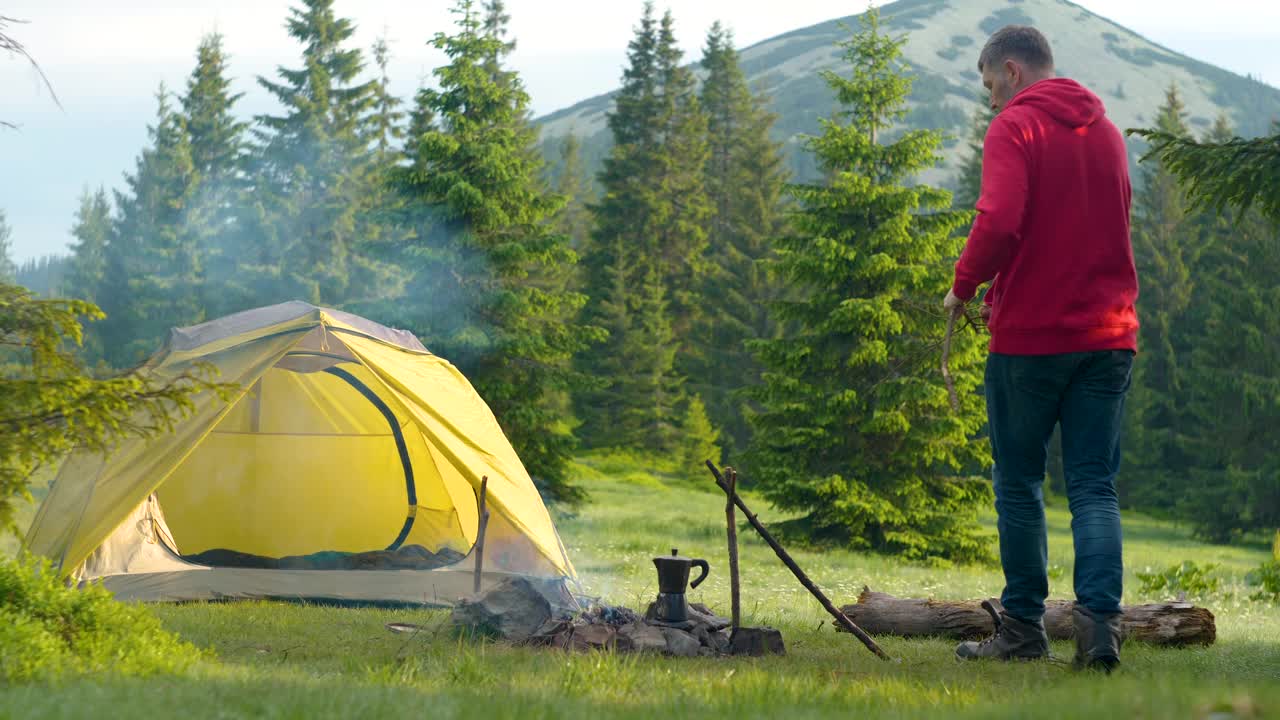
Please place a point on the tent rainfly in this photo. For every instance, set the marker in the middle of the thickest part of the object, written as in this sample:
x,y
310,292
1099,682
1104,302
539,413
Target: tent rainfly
x,y
346,468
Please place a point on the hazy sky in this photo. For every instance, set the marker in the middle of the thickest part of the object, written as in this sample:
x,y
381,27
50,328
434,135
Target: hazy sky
x,y
106,59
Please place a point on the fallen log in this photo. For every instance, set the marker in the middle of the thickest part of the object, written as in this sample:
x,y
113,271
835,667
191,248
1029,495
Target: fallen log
x,y
1172,624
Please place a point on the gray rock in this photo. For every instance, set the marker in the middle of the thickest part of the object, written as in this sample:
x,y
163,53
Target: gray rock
x,y
513,610
681,643
593,637
701,615
639,637
715,640
549,630
719,641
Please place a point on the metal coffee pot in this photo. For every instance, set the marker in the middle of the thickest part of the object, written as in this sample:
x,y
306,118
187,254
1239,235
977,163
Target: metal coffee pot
x,y
673,581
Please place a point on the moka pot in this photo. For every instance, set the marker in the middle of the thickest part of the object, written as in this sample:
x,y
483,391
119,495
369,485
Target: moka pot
x,y
673,582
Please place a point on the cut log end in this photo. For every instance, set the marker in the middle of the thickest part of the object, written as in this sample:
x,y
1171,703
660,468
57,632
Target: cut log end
x,y
1163,624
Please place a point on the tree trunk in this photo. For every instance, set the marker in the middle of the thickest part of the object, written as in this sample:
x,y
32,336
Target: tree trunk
x,y
1172,624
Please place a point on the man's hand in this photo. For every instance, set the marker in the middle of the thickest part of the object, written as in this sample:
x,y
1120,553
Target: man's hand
x,y
952,303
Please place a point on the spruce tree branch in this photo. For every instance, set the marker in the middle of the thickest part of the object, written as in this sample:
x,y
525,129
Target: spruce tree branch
x,y
1239,173
175,388
11,45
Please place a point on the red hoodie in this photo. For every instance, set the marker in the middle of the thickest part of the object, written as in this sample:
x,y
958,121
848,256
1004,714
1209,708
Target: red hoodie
x,y
1053,227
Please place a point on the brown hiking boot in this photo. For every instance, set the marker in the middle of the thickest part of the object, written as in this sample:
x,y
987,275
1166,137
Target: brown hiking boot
x,y
1098,639
1014,639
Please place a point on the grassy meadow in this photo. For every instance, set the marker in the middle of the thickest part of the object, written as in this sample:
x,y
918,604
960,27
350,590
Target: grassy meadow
x,y
284,660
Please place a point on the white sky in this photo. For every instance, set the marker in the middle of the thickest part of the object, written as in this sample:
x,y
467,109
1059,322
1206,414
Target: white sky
x,y
106,59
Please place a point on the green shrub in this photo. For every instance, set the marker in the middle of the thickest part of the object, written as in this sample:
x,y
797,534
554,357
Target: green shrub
x,y
28,650
49,630
1267,579
1187,577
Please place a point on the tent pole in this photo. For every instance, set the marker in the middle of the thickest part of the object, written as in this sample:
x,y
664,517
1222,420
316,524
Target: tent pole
x,y
484,525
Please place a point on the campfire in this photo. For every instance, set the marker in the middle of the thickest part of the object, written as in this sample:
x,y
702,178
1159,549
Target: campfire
x,y
520,612
623,630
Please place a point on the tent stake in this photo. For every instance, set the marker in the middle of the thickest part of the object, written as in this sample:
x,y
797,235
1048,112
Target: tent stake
x,y
484,525
841,619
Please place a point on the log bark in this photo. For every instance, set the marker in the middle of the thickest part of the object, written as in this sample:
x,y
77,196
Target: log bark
x,y
1173,624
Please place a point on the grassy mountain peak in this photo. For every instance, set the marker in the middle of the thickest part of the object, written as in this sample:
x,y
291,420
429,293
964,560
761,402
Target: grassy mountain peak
x,y
1129,73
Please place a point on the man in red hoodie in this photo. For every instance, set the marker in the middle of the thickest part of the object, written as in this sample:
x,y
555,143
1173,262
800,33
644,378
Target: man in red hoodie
x,y
1052,238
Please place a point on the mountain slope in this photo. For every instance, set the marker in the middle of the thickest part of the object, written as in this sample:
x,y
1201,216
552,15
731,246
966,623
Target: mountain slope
x,y
1128,72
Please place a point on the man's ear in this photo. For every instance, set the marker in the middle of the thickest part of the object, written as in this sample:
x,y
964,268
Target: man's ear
x,y
1013,71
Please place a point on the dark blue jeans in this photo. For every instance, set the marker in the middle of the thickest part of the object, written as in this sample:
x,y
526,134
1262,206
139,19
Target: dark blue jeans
x,y
1026,397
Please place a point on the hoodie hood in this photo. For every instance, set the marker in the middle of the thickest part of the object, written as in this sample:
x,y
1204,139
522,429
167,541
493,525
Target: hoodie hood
x,y
1062,99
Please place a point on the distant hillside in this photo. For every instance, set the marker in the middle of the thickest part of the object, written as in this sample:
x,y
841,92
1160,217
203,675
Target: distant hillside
x,y
1129,72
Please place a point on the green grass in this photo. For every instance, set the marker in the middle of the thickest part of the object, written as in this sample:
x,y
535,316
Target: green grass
x,y
280,660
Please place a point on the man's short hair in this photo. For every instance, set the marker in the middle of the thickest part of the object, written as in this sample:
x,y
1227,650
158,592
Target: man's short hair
x,y
1017,42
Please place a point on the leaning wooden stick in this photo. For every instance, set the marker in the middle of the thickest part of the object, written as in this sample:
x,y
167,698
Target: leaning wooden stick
x,y
946,358
484,525
785,557
735,601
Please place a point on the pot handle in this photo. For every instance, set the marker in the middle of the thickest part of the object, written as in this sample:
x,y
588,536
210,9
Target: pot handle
x,y
705,569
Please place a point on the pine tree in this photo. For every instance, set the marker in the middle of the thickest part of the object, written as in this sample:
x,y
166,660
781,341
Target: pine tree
x,y
678,221
654,424
8,270
745,180
495,25
490,247
385,122
608,268
613,359
650,223
383,220
216,136
153,278
1165,245
639,408
314,170
218,148
969,182
856,431
700,439
92,232
87,272
572,184
1230,480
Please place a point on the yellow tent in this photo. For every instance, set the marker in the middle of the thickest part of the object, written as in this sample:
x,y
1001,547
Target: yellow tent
x,y
347,466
